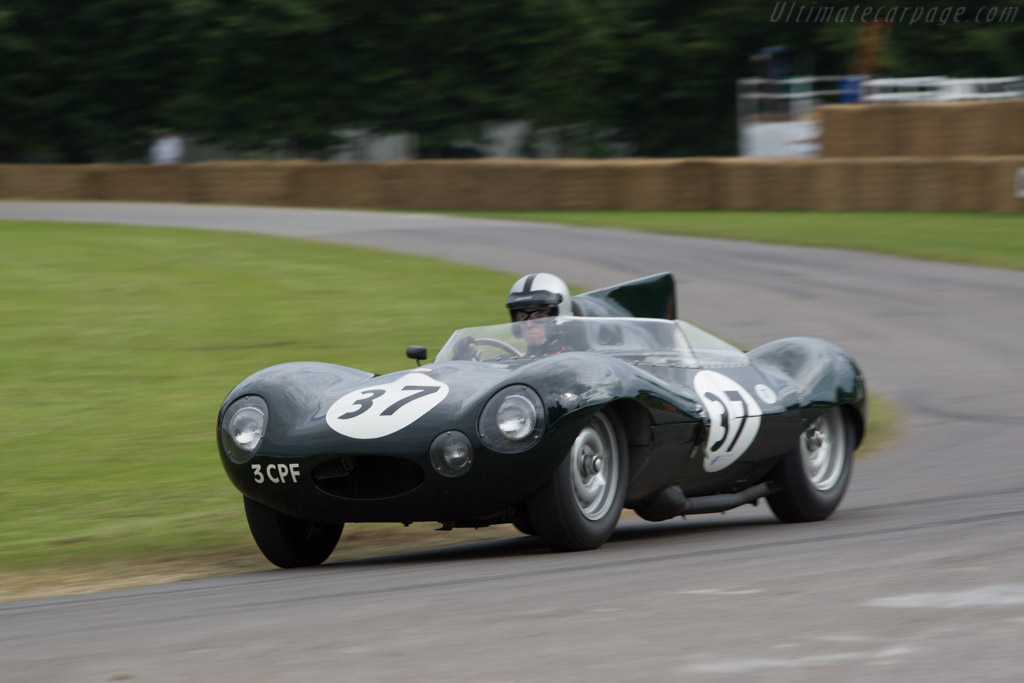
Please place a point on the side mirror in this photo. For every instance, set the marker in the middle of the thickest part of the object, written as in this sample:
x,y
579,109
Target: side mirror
x,y
417,353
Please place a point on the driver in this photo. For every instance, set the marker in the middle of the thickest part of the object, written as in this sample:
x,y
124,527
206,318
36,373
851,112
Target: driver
x,y
532,300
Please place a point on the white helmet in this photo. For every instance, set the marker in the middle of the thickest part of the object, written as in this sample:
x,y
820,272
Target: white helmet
x,y
539,290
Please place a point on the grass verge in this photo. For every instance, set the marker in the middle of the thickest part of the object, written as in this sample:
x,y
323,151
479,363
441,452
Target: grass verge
x,y
986,239
120,344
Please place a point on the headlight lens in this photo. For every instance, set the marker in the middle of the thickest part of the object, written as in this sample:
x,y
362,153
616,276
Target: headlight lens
x,y
516,417
243,427
513,420
246,428
451,453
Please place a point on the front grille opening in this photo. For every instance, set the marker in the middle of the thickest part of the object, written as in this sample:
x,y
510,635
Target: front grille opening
x,y
364,477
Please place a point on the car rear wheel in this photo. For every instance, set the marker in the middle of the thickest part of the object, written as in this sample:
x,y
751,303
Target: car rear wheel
x,y
815,473
290,542
578,508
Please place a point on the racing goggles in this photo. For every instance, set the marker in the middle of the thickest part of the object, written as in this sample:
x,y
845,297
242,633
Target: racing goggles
x,y
536,314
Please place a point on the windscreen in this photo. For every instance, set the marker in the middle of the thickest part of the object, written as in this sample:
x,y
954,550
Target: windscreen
x,y
636,340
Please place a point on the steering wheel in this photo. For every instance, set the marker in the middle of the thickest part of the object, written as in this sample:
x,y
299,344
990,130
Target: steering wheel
x,y
497,343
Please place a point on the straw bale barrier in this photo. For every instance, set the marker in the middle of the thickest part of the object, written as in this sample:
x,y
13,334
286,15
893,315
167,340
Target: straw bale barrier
x,y
243,182
930,129
136,183
485,184
1001,180
832,185
743,183
964,183
973,184
878,186
928,184
668,184
583,184
758,183
46,181
791,185
648,185
840,127
1015,133
340,185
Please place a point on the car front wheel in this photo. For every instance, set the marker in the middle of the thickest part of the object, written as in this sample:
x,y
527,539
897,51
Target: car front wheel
x,y
814,475
578,508
290,542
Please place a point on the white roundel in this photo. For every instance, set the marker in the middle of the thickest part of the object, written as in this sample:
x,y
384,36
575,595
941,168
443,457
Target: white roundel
x,y
375,411
735,418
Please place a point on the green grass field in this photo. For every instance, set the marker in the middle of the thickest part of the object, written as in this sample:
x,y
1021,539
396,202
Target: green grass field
x,y
986,239
120,344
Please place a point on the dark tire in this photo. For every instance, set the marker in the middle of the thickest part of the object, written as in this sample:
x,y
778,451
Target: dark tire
x,y
815,473
521,521
290,542
578,508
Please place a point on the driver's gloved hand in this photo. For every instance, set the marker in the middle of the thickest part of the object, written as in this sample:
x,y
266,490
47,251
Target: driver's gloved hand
x,y
465,349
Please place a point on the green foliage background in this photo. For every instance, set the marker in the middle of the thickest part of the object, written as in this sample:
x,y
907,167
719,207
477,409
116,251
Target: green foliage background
x,y
92,80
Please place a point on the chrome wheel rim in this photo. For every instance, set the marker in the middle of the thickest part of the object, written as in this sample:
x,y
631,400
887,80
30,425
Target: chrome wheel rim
x,y
823,450
594,462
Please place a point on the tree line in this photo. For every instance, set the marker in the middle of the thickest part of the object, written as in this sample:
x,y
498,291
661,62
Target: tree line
x,y
87,80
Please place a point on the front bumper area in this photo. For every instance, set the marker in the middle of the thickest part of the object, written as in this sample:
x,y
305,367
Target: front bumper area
x,y
388,488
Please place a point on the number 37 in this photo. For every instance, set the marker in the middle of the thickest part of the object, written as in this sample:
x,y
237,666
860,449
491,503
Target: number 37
x,y
370,395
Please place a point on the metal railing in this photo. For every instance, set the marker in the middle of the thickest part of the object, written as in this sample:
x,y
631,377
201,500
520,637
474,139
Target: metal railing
x,y
787,98
940,89
778,99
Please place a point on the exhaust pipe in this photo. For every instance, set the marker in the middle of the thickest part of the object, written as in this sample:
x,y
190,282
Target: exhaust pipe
x,y
672,502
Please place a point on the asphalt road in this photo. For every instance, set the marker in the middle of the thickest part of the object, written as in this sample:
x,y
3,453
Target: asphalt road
x,y
919,576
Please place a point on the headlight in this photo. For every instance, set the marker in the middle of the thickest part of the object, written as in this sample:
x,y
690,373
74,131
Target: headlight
x,y
243,427
451,454
516,417
512,420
